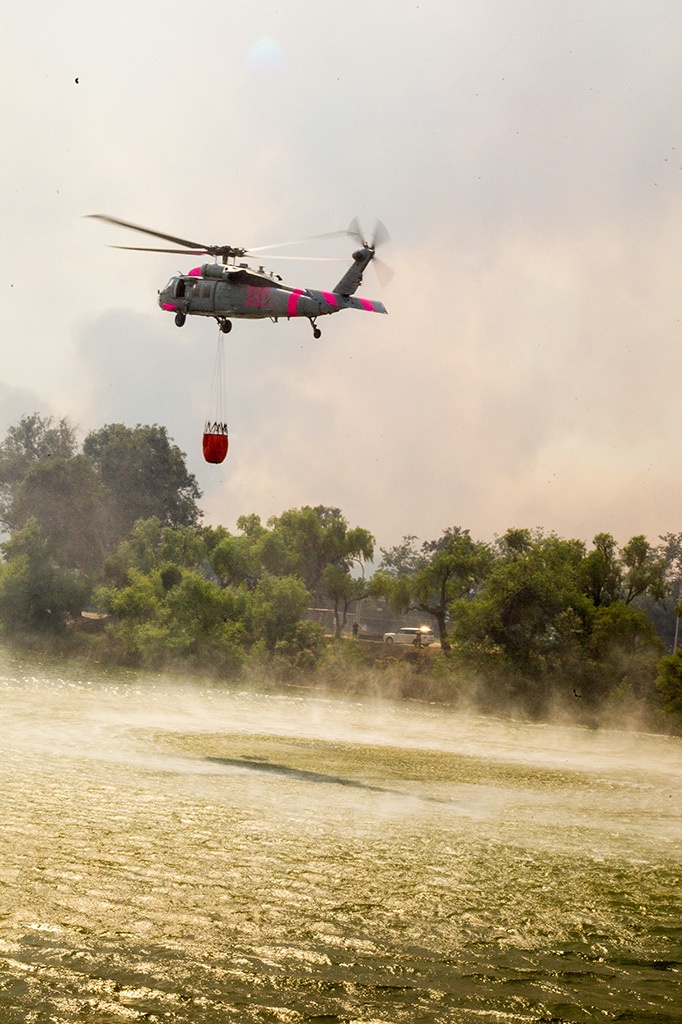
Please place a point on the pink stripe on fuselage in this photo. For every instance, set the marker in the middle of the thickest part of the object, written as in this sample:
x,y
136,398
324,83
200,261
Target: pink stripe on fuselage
x,y
330,298
366,304
292,304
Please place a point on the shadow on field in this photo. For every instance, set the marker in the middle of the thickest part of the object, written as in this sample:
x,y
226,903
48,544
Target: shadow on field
x,y
258,764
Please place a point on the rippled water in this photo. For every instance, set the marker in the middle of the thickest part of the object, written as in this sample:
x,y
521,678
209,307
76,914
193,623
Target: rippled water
x,y
205,855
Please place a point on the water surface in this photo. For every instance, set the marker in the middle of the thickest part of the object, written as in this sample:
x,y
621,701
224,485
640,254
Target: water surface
x,y
193,854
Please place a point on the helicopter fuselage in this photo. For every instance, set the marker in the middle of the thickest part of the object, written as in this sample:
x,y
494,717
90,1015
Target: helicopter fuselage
x,y
239,292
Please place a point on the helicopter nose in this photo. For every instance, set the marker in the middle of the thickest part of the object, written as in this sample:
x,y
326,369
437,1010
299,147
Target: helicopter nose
x,y
165,301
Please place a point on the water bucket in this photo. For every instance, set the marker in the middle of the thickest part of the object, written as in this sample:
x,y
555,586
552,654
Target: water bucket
x,y
215,446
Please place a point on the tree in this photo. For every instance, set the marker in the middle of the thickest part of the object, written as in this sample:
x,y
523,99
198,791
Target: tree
x,y
644,570
670,551
313,544
601,571
144,475
522,609
165,602
248,557
516,542
35,593
623,627
251,525
403,559
65,497
344,591
667,612
609,575
304,536
236,560
34,439
308,540
274,608
151,545
450,568
171,615
669,685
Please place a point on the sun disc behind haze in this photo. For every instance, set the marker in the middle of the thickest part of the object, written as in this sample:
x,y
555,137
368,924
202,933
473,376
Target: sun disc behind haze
x,y
265,58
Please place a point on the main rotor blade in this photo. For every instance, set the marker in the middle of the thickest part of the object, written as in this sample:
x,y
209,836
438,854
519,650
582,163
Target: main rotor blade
x,y
189,248
147,231
251,253
355,231
299,241
247,255
146,248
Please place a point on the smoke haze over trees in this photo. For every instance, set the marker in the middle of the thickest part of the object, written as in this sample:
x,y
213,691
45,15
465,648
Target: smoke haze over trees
x,y
529,622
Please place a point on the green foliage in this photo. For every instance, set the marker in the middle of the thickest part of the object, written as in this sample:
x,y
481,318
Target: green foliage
x,y
39,438
610,575
136,601
251,525
404,559
450,569
35,439
152,545
191,620
35,593
559,619
395,589
273,609
536,615
144,476
518,610
314,545
305,536
344,591
601,572
315,538
515,542
168,612
86,504
669,685
66,498
193,592
644,570
301,649
620,625
237,560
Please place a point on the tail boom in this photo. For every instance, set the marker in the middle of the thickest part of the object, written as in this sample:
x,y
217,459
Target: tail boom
x,y
331,302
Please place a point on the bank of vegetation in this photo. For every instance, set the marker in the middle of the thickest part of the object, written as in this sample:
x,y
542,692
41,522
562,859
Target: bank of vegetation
x,y
106,557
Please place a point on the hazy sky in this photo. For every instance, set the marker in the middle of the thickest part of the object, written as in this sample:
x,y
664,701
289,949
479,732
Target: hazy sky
x,y
526,157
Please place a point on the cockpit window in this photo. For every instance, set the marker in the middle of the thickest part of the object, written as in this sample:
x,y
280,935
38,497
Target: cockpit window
x,y
179,287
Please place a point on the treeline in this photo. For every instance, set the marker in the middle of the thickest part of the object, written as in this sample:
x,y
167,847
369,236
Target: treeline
x,y
547,623
533,622
115,526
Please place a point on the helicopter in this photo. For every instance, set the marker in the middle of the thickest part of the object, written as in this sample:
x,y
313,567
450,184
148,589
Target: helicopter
x,y
231,289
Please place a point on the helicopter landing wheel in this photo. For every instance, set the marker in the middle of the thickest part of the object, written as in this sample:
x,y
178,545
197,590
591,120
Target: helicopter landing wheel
x,y
226,326
317,333
180,319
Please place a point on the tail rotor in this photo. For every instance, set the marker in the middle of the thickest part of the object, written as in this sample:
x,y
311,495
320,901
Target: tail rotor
x,y
379,237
